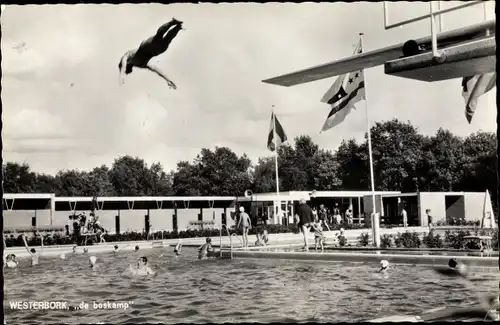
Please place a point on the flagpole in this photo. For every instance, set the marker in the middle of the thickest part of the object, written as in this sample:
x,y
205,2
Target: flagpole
x,y
276,167
370,154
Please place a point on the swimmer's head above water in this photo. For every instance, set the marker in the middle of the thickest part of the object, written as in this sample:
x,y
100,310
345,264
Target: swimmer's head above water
x,y
115,247
384,265
92,261
11,261
33,250
136,248
143,261
209,240
460,267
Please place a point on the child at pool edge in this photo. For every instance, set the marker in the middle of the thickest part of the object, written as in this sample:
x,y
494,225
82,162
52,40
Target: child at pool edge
x,y
265,236
260,241
319,239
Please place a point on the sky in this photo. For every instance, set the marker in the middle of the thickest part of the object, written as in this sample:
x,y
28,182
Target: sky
x,y
63,107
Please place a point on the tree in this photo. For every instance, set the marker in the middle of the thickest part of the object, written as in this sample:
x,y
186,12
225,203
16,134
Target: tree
x,y
353,170
18,178
397,152
187,180
480,163
219,172
47,184
445,159
100,182
74,183
157,181
326,170
131,176
264,178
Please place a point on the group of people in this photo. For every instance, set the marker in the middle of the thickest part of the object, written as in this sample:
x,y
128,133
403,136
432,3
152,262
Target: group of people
x,y
334,216
244,222
142,267
83,226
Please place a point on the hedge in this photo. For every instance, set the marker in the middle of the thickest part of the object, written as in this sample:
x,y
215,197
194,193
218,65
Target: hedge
x,y
61,239
451,239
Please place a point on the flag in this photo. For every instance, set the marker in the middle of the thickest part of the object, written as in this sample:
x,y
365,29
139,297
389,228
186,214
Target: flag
x,y
347,90
488,220
474,87
279,131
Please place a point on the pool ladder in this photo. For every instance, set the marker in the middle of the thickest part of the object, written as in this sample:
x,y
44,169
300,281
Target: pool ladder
x,y
230,240
156,242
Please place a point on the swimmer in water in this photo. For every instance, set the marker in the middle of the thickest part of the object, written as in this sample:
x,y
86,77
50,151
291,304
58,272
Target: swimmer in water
x,y
35,256
136,248
85,250
10,259
142,267
384,267
205,250
92,262
116,249
177,249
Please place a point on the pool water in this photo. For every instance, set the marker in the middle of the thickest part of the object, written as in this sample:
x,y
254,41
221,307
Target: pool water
x,y
186,290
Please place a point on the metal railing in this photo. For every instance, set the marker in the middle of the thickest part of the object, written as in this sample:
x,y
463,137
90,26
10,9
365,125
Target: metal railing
x,y
433,15
230,240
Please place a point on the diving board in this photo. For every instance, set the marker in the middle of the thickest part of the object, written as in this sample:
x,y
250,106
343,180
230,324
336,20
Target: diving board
x,y
381,56
466,59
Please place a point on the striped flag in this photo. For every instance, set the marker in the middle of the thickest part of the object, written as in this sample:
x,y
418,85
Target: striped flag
x,y
347,90
473,88
277,129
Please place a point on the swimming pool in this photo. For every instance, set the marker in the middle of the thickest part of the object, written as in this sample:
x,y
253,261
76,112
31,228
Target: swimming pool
x,y
187,290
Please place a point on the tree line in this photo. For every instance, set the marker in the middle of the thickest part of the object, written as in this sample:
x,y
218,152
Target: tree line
x,y
404,160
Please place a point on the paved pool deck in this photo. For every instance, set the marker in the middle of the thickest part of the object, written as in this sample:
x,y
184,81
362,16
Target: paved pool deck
x,y
274,239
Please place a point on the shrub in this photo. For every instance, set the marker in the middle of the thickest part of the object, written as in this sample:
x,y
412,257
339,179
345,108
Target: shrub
x,y
407,240
363,239
432,241
386,241
456,239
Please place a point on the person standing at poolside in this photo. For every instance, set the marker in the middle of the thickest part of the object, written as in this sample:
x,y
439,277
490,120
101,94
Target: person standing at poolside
x,y
336,214
429,218
404,214
305,216
348,216
246,224
322,214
